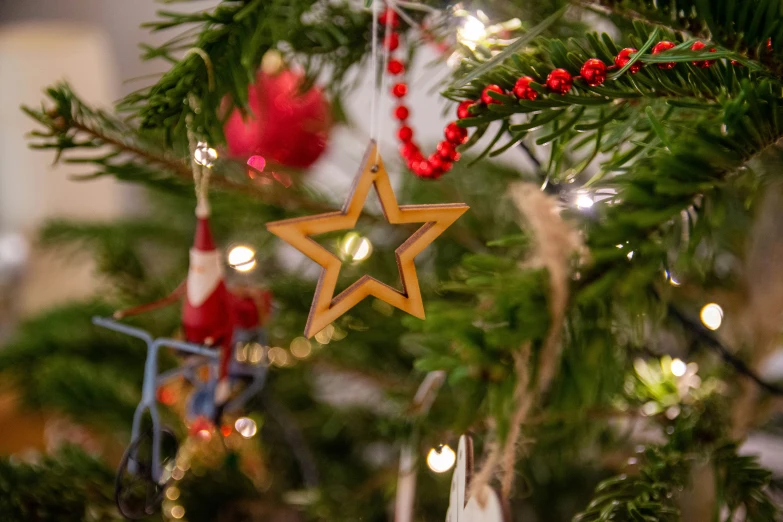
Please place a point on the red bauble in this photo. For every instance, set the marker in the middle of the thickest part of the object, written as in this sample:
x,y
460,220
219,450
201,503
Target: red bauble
x,y
703,64
401,113
405,134
455,134
395,67
661,47
623,57
391,41
389,16
463,109
523,90
400,90
559,81
593,72
486,99
282,125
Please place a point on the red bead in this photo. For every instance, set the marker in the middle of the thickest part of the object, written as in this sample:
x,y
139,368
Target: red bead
x,y
395,66
436,161
559,81
423,169
593,72
456,134
623,57
486,99
446,150
703,64
401,113
446,165
389,16
400,90
391,41
522,89
661,47
463,109
408,150
405,134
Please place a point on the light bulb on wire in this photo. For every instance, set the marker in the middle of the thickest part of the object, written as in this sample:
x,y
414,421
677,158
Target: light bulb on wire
x,y
584,201
712,316
471,32
242,258
441,459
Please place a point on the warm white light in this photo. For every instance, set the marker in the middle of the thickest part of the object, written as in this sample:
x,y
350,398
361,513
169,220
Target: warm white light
x,y
205,155
300,348
712,316
177,512
242,258
246,427
172,493
441,459
678,368
356,247
278,356
471,32
584,201
325,335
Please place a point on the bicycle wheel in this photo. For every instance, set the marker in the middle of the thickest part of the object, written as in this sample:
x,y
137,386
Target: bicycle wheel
x,y
137,495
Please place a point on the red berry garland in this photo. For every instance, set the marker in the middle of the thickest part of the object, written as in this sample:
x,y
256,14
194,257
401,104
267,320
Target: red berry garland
x,y
593,73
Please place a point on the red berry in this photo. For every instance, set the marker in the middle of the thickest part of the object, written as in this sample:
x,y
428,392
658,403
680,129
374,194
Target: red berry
x,y
661,47
455,134
593,72
463,109
395,66
446,150
408,150
391,41
391,17
486,99
703,64
405,134
401,113
623,57
423,169
436,161
400,89
559,81
522,89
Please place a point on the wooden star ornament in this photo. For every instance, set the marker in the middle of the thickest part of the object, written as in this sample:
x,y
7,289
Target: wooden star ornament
x,y
464,509
298,231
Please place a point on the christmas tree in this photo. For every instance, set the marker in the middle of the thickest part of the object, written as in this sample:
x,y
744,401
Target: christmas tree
x,y
599,320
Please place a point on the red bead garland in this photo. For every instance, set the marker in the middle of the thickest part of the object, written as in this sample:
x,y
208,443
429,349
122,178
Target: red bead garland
x,y
593,73
661,47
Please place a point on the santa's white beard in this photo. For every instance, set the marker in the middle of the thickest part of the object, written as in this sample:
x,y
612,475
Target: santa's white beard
x,y
204,275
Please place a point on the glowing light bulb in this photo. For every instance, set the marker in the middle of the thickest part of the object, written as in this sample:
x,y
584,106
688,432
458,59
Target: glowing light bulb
x,y
204,155
300,348
242,258
441,459
355,247
172,493
712,316
584,201
678,368
471,32
246,427
177,512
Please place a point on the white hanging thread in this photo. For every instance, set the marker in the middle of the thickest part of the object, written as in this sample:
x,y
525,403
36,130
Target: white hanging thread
x,y
384,65
200,171
374,72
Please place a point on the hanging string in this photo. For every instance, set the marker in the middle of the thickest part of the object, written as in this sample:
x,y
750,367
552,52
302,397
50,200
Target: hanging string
x,y
200,171
385,63
374,67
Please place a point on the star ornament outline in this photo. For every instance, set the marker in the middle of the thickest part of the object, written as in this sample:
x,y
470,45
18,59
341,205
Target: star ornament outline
x,y
297,232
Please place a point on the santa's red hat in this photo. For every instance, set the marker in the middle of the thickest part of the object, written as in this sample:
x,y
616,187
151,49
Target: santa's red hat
x,y
203,240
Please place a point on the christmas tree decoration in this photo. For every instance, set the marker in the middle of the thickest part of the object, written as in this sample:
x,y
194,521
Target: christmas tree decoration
x,y
326,306
661,47
485,505
283,125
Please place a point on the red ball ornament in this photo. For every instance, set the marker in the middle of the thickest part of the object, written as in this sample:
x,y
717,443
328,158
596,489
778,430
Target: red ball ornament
x,y
702,64
523,90
623,57
401,113
282,125
400,90
463,109
395,67
593,72
391,41
661,47
405,134
559,81
389,16
486,99
455,134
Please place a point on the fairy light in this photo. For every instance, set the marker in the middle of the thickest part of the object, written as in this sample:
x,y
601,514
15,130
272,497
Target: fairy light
x,y
355,247
326,335
471,32
246,427
242,258
177,511
278,356
678,368
584,201
172,493
301,348
441,459
712,316
204,155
